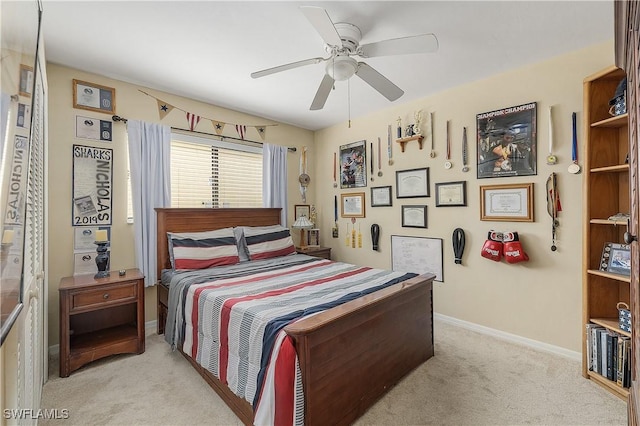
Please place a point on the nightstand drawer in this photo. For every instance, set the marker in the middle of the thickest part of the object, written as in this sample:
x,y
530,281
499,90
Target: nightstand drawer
x,y
104,295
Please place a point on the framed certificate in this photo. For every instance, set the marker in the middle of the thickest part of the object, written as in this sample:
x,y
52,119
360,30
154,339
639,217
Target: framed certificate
x,y
414,216
451,194
507,203
352,204
381,196
94,97
412,183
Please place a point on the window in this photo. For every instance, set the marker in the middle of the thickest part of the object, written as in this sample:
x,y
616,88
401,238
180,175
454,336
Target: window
x,y
211,173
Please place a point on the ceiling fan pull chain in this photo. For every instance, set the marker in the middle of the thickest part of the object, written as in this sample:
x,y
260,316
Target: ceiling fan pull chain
x,y
349,100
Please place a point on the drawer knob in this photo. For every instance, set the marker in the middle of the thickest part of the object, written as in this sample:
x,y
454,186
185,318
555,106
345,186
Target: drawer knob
x,y
105,296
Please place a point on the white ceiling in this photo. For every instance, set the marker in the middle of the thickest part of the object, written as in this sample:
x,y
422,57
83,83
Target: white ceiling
x,y
206,50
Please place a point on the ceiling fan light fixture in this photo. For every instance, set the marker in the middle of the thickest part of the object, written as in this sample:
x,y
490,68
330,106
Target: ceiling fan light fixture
x,y
342,68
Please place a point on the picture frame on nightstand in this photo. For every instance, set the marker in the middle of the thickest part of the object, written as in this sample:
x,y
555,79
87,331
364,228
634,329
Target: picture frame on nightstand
x,y
313,237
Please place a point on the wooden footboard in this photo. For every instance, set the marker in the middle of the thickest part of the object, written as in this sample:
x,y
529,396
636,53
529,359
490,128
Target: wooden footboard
x,y
353,354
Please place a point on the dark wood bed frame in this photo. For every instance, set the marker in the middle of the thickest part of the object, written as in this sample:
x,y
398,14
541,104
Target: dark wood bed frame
x,y
350,355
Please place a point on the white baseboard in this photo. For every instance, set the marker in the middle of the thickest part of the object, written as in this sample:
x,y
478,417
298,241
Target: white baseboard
x,y
534,344
55,349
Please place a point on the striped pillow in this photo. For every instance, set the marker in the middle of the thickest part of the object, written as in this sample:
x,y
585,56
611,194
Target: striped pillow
x,y
265,242
201,250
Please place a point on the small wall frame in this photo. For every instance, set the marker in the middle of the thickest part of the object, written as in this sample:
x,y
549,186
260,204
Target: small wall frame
x,y
94,97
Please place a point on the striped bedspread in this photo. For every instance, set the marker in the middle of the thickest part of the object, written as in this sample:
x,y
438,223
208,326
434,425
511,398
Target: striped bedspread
x,y
231,319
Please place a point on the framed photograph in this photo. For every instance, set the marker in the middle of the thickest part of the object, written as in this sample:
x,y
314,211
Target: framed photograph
x,y
412,183
507,203
616,258
94,97
451,194
507,142
381,196
414,216
353,165
313,237
26,81
352,204
302,210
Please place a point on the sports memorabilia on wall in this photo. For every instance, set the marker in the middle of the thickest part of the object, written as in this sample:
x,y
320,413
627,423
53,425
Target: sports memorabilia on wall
x,y
507,142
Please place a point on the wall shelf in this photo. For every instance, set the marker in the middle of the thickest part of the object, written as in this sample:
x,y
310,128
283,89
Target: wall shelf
x,y
404,141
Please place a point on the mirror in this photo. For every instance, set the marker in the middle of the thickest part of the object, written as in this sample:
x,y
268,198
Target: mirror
x,y
19,43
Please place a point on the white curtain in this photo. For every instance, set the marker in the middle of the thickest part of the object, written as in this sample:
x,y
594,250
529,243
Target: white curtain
x,y
274,178
149,163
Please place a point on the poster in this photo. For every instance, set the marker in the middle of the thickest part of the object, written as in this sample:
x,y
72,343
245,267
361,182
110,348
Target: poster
x,y
92,186
507,142
353,165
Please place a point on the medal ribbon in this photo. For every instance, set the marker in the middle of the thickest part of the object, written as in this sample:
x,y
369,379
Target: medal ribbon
x,y
550,132
448,140
574,144
464,146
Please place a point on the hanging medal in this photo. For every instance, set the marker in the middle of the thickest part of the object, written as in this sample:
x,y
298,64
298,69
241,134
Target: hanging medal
x,y
389,149
335,174
448,164
574,167
379,158
304,178
551,159
433,138
465,148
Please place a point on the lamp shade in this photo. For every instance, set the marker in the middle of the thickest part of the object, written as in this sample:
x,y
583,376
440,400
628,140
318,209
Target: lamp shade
x,y
302,223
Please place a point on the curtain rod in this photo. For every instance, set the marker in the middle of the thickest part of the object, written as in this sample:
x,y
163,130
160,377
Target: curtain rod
x,y
117,118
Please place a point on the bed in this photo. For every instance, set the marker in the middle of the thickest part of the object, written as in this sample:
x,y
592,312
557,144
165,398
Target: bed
x,y
349,355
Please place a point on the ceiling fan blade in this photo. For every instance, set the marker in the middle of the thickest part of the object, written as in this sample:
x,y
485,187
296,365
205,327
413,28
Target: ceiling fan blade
x,y
379,82
425,43
323,93
285,67
323,24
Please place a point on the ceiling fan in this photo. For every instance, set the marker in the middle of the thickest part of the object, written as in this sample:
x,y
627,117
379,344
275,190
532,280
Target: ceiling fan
x,y
342,43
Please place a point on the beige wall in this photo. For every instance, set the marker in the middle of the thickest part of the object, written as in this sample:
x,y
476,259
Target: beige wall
x,y
131,104
540,299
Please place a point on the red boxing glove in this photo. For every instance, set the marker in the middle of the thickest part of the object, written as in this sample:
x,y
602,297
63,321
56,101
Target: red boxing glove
x,y
492,248
513,251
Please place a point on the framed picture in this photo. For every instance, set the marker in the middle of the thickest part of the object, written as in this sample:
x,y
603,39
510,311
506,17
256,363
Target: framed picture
x,y
302,210
353,165
414,216
507,203
313,237
26,81
412,183
381,196
451,194
94,97
352,204
507,142
616,258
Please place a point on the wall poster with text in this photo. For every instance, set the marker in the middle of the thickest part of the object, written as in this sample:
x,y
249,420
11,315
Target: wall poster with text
x,y
92,186
507,142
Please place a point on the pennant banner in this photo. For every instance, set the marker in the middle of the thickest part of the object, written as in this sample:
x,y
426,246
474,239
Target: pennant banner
x,y
218,126
193,120
262,131
163,108
241,130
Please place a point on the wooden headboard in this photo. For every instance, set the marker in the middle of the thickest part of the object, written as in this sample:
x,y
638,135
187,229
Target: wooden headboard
x,y
206,219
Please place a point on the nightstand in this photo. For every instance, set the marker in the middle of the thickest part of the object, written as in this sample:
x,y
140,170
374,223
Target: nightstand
x,y
323,252
100,317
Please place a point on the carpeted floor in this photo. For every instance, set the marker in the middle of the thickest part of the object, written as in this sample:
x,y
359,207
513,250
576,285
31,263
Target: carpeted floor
x,y
473,379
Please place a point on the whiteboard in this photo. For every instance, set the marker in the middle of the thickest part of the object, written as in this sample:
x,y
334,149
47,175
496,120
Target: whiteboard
x,y
420,255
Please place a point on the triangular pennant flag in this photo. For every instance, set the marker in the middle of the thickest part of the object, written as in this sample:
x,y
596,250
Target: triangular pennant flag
x,y
218,126
193,120
241,130
262,131
163,108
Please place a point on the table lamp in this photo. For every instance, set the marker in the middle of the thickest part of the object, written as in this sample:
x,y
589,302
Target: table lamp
x,y
302,223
